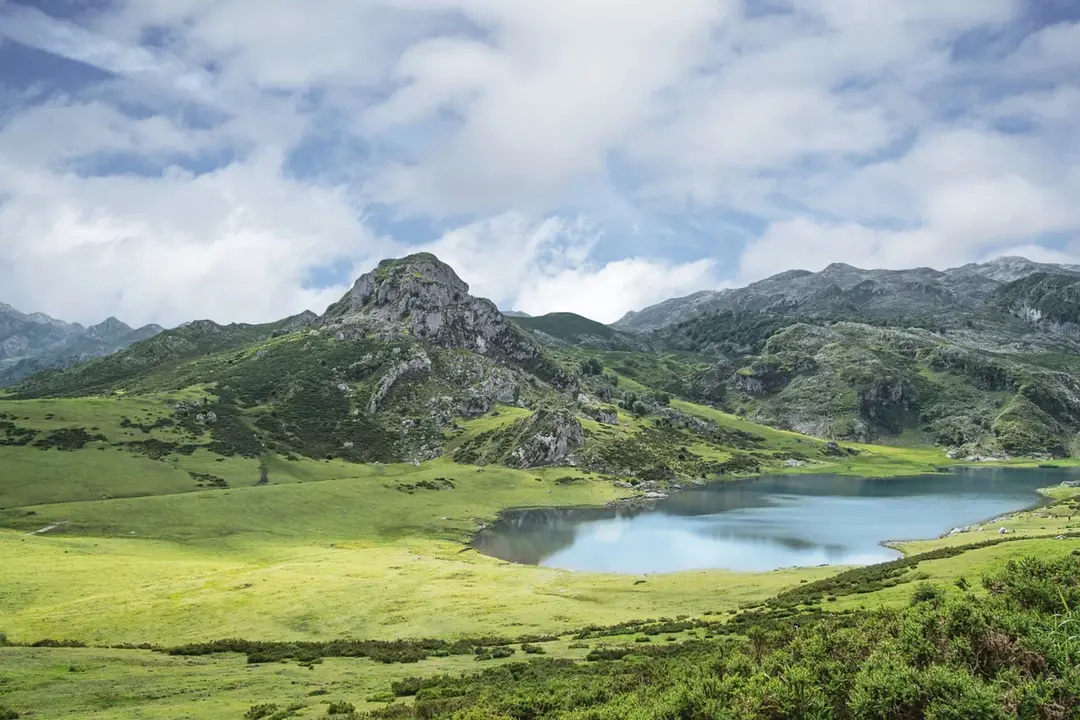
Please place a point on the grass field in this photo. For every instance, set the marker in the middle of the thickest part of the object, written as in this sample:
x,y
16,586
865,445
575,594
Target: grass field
x,y
137,551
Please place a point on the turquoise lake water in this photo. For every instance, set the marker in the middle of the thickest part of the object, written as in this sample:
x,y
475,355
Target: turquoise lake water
x,y
766,523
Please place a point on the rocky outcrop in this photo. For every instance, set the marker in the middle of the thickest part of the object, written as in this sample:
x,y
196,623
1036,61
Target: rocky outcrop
x,y
550,437
424,296
421,297
419,363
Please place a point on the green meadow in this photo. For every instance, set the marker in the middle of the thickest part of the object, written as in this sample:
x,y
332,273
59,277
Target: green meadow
x,y
108,545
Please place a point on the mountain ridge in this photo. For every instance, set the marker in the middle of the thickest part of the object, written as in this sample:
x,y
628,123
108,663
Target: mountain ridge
x,y
33,342
392,369
840,288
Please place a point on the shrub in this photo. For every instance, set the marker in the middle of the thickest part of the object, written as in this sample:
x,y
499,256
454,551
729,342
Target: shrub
x,y
530,649
407,686
341,708
926,592
258,712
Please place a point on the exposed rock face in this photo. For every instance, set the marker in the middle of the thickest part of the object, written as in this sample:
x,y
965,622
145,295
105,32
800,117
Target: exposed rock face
x,y
607,415
550,438
296,322
425,296
419,363
1046,301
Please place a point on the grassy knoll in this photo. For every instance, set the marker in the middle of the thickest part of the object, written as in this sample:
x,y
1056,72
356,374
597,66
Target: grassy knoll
x,y
870,460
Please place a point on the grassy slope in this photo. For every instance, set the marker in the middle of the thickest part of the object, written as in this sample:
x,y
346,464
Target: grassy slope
x,y
328,549
563,325
314,546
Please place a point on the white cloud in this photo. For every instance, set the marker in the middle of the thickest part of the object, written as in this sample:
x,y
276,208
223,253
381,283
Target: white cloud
x,y
233,244
607,292
541,267
852,132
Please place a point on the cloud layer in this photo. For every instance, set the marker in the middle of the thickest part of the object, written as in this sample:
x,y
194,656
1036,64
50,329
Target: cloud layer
x,y
245,159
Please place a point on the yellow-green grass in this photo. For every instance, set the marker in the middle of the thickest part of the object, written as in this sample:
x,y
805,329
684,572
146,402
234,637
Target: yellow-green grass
x,y
102,415
871,460
355,557
112,590
326,549
126,684
1046,521
971,565
31,475
105,684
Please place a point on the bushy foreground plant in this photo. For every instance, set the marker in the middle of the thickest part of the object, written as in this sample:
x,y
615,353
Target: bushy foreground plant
x,y
1012,653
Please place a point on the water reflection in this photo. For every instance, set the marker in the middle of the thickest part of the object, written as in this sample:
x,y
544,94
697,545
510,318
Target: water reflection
x,y
766,523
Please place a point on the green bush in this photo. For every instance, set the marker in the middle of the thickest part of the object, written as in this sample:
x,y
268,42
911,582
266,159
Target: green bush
x,y
341,708
258,712
1004,654
926,592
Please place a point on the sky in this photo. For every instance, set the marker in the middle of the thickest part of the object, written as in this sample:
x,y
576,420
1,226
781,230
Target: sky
x,y
243,160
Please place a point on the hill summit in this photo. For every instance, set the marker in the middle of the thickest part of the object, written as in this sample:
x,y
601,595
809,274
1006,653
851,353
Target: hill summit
x,y
423,296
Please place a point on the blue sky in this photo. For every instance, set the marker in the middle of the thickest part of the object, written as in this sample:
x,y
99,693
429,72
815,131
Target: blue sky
x,y
162,160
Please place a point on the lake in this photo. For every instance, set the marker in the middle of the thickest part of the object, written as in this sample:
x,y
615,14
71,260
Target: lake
x,y
766,523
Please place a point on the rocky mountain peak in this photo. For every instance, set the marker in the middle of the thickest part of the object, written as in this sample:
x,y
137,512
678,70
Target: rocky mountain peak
x,y
415,282
421,296
109,327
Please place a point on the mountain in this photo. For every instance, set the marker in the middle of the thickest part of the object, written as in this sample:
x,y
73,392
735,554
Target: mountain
x,y
384,374
35,342
408,365
920,297
981,359
572,329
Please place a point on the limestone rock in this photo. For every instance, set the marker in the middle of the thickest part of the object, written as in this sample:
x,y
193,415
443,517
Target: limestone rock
x,y
550,437
419,363
424,297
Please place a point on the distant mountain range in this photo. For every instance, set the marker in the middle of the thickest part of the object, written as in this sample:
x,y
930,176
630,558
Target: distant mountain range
x,y
1007,298
30,343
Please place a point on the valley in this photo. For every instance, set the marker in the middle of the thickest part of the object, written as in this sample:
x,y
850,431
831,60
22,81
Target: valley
x,y
217,519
